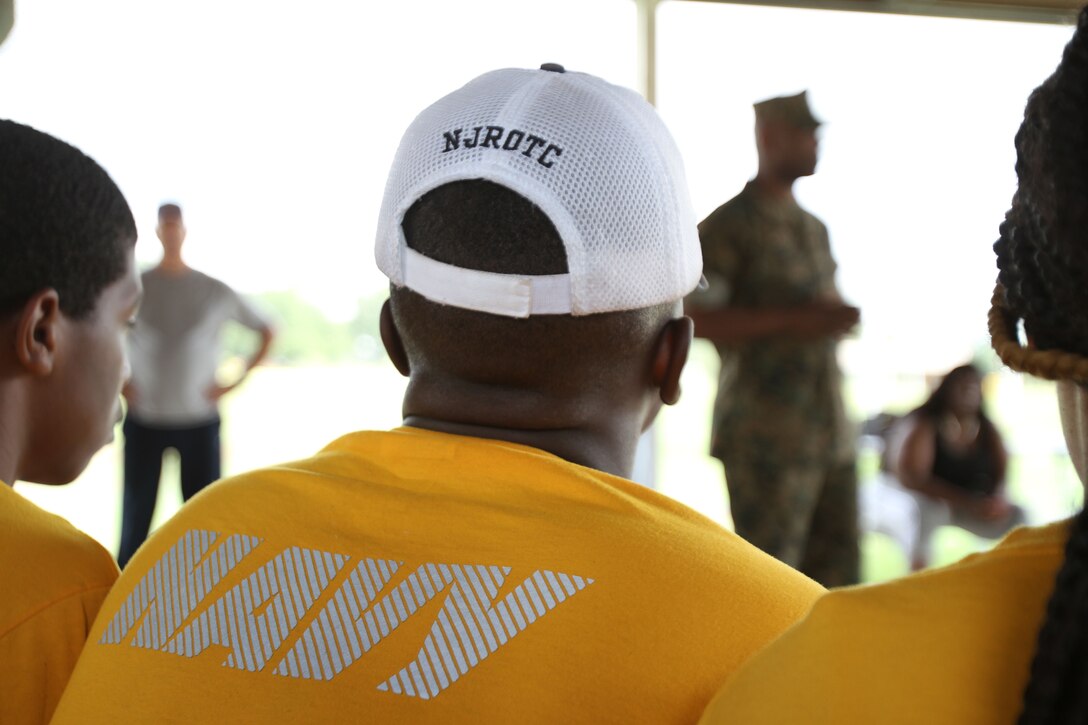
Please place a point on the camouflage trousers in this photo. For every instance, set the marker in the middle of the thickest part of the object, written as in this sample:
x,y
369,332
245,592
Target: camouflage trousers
x,y
805,516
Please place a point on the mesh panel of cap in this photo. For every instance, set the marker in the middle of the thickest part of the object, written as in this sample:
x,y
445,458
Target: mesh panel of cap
x,y
594,157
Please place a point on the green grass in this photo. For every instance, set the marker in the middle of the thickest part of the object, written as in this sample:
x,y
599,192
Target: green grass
x,y
284,413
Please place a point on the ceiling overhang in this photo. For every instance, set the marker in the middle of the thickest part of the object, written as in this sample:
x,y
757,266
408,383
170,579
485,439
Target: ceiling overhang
x,y
1059,12
1029,11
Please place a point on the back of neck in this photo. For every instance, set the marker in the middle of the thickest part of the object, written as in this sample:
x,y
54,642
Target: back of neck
x,y
567,429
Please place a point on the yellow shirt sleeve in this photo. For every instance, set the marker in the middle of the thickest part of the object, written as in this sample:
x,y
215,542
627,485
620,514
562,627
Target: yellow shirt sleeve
x,y
38,656
952,645
56,579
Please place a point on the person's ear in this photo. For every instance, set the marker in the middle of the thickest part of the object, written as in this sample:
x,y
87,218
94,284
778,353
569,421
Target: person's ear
x,y
36,332
670,356
394,347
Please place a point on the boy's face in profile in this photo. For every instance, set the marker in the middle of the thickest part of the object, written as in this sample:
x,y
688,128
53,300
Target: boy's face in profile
x,y
90,368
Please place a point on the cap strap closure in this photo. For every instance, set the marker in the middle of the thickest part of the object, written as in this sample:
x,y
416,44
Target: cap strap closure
x,y
511,295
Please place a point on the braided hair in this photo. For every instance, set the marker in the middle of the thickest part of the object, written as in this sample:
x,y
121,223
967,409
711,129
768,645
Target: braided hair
x,y
1042,258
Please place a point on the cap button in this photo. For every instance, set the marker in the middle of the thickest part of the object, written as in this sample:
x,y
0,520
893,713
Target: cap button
x,y
553,67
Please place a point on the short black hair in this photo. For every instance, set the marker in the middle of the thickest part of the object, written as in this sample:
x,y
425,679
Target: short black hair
x,y
169,209
64,224
478,224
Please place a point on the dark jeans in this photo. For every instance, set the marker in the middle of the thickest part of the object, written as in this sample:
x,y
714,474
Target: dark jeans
x,y
198,448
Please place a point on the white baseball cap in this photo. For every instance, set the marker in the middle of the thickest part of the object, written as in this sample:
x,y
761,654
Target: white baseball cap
x,y
594,157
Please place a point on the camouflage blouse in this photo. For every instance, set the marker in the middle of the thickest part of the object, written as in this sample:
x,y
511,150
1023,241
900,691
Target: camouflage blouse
x,y
777,398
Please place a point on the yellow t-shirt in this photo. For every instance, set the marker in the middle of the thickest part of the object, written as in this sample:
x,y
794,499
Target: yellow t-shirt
x,y
951,645
412,576
55,578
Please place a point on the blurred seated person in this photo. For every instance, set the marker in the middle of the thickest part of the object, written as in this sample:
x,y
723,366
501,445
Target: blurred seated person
x,y
949,457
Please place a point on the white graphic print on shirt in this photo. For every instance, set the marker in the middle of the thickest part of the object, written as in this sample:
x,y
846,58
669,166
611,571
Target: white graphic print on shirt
x,y
267,624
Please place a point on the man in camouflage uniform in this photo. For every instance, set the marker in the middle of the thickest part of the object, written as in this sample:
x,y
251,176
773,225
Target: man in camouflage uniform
x,y
775,316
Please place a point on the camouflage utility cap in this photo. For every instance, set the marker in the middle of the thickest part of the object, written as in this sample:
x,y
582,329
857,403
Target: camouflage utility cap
x,y
793,110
